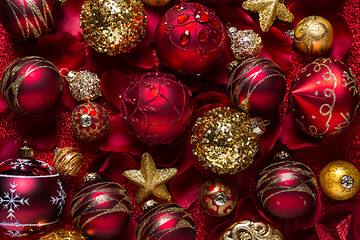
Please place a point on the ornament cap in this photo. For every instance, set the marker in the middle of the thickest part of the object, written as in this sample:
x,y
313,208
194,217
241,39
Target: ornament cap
x,y
282,155
91,176
26,151
233,65
258,125
148,204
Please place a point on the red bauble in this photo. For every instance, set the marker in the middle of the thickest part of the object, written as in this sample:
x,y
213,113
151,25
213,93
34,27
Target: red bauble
x,y
257,86
218,197
166,221
101,209
286,188
26,19
324,97
90,121
31,85
189,38
157,108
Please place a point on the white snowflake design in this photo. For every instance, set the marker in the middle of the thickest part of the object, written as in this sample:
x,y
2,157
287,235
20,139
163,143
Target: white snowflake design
x,y
60,199
15,233
11,201
20,163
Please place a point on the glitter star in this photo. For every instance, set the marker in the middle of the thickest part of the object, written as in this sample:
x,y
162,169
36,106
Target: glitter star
x,y
268,11
150,181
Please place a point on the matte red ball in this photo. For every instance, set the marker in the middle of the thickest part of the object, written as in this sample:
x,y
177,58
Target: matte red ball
x,y
324,97
166,221
257,86
101,209
189,38
157,108
287,189
28,19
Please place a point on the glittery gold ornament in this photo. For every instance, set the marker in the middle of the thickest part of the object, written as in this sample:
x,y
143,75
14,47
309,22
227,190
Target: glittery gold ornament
x,y
61,234
313,35
68,161
226,140
150,181
268,11
339,180
113,26
156,3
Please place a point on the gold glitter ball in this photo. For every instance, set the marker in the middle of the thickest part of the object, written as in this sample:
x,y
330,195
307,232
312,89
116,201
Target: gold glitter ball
x,y
68,161
244,43
61,234
225,140
268,11
113,26
84,86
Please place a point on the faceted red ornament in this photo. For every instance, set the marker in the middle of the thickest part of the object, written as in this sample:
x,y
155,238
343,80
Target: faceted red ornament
x,y
166,221
218,197
286,188
90,121
189,38
31,85
257,86
28,19
157,108
324,97
101,209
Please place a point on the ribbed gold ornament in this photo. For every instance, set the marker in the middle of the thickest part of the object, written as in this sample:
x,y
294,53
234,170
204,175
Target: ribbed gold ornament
x,y
61,234
68,161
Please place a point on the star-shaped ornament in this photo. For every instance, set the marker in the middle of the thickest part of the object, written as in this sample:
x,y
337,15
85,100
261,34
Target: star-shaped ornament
x,y
268,11
150,181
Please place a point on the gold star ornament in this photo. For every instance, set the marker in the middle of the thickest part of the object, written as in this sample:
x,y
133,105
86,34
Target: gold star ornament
x,y
268,11
150,181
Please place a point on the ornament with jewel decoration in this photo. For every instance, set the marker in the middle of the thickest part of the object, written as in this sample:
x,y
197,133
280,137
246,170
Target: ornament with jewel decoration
x,y
225,140
286,188
61,234
68,161
157,108
189,38
324,97
32,195
101,209
31,85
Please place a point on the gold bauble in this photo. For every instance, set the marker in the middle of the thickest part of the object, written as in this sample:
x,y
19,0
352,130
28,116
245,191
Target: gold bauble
x,y
156,3
313,35
68,161
61,234
339,180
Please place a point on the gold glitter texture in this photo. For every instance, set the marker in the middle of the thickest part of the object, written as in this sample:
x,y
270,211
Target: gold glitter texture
x,y
268,11
84,86
339,180
113,26
68,161
225,141
150,181
61,234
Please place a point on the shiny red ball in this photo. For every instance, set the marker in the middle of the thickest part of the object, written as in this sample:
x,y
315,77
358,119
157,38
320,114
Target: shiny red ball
x,y
257,86
28,19
89,121
101,209
157,108
166,221
189,38
31,85
32,196
324,97
287,189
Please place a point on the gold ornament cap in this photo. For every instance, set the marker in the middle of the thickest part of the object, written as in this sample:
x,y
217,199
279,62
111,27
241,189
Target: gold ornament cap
x,y
26,151
91,176
148,204
282,155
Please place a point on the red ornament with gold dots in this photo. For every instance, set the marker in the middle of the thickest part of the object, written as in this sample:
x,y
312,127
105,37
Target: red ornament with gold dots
x,y
218,197
90,121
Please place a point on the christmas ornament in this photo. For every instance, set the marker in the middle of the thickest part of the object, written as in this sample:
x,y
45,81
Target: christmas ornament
x,y
313,35
257,86
89,121
157,108
225,140
165,221
61,234
28,19
113,26
324,97
101,209
32,196
150,181
251,230
189,38
218,197
31,85
268,11
286,188
244,43
156,3
84,86
339,180
68,161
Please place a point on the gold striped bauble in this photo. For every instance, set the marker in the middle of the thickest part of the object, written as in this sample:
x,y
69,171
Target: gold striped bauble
x,y
68,161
